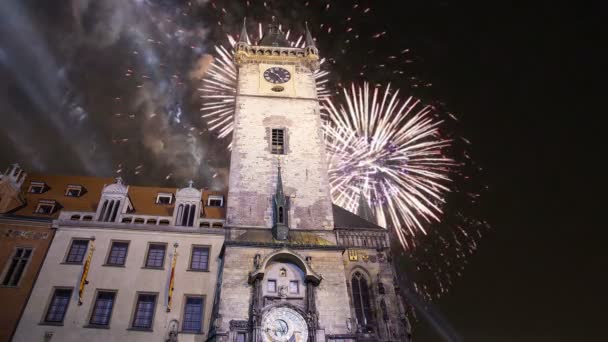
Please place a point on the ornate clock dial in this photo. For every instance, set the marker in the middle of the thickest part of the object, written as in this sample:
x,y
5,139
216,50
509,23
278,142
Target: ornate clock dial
x,y
277,75
283,324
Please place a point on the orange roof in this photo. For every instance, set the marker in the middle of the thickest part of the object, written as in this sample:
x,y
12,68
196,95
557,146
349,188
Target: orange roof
x,y
55,190
142,198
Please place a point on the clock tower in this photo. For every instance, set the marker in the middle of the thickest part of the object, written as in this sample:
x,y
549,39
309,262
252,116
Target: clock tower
x,y
277,122
294,267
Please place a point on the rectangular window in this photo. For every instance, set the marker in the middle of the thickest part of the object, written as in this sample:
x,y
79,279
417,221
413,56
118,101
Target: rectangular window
x,y
200,259
46,207
73,190
215,201
118,253
144,311
102,310
241,337
36,187
77,251
278,141
156,255
294,286
17,266
272,286
58,306
164,198
193,315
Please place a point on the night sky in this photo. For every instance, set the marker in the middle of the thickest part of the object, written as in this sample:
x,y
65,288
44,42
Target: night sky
x,y
521,77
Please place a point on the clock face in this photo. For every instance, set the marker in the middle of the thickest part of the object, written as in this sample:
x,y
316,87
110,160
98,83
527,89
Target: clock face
x,y
277,75
283,324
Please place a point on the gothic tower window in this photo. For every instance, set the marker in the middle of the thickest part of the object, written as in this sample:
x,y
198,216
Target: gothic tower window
x,y
362,300
278,141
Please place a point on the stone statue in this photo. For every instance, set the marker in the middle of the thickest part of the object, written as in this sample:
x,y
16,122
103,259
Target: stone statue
x,y
282,291
256,261
173,331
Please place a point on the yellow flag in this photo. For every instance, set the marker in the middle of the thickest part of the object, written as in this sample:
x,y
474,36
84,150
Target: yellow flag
x,y
172,280
85,273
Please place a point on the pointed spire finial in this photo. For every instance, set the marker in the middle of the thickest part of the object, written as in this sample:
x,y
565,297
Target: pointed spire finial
x,y
244,38
309,41
279,192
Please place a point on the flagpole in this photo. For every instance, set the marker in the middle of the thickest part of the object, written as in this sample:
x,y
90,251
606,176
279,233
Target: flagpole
x,y
85,271
172,278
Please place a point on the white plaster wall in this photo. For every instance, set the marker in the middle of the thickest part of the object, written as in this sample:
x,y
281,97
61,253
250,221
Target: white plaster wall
x,y
126,280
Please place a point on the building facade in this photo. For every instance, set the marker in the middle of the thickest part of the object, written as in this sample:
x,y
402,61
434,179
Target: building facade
x,y
273,261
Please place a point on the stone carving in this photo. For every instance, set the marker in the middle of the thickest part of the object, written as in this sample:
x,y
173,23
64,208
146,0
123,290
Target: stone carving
x,y
381,258
26,234
173,331
309,261
239,325
256,261
283,291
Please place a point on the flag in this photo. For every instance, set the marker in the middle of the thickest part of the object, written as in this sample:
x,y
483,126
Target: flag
x,y
172,280
85,272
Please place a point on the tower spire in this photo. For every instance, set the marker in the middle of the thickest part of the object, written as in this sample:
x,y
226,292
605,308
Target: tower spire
x,y
274,36
243,38
363,209
309,41
281,210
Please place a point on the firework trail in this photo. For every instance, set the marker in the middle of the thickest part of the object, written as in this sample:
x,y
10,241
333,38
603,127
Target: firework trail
x,y
218,89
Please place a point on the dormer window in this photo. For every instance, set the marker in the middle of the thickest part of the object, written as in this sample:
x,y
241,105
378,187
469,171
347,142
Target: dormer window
x,y
36,187
164,198
215,201
73,190
46,207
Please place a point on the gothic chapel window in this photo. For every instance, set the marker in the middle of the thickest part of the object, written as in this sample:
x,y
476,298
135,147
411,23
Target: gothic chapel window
x,y
362,300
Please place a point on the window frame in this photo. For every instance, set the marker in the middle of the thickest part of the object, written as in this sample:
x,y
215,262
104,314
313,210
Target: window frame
x,y
165,195
45,313
34,184
9,262
70,187
43,203
90,324
370,320
215,198
109,253
274,281
135,311
162,266
208,247
84,256
278,149
183,314
297,286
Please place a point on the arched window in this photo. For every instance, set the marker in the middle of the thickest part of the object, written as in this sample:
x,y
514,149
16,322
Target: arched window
x,y
191,216
103,210
180,213
115,211
362,300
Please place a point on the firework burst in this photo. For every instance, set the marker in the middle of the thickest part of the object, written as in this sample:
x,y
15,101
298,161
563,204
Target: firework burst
x,y
391,151
218,89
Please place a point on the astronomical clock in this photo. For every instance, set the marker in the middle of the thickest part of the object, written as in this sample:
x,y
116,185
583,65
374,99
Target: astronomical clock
x,y
283,324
